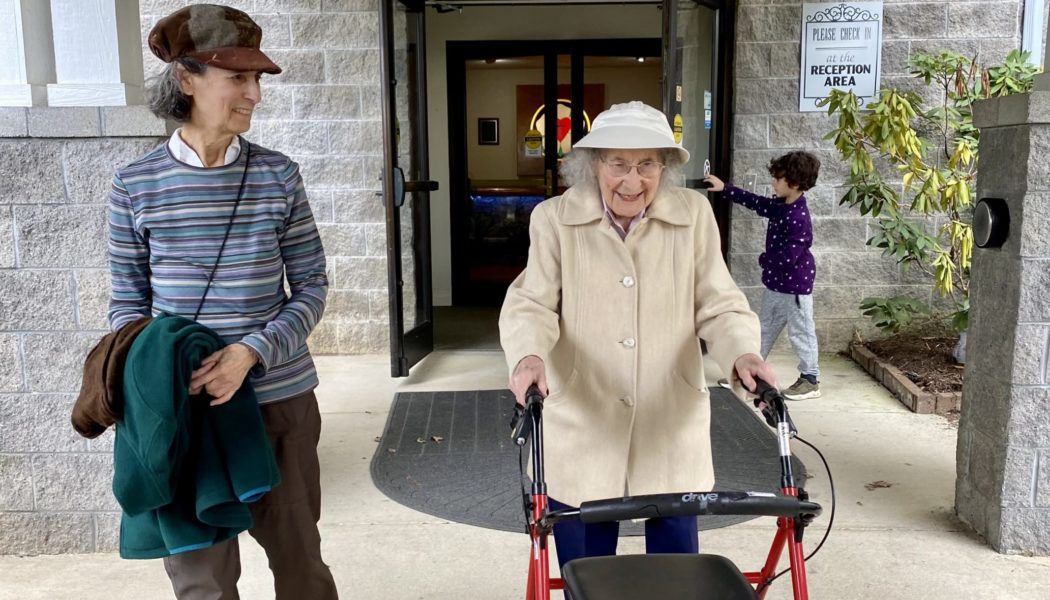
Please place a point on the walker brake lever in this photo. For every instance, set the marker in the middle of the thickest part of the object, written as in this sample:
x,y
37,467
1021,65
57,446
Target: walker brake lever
x,y
519,412
767,399
767,412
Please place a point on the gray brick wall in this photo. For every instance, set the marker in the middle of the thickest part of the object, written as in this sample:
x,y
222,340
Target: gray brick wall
x,y
767,123
54,282
1003,482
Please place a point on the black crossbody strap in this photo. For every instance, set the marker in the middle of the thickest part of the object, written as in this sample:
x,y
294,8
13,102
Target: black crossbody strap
x,y
229,226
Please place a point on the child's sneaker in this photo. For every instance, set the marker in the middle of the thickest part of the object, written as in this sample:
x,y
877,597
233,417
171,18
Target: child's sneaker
x,y
803,389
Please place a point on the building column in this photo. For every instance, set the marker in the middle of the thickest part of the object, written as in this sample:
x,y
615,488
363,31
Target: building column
x,y
98,53
1042,80
1003,459
26,64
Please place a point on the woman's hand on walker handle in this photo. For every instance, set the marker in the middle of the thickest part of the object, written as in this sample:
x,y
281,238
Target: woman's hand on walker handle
x,y
529,370
749,366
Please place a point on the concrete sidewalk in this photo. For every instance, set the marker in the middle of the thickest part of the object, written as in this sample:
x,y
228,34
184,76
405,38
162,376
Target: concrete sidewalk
x,y
896,542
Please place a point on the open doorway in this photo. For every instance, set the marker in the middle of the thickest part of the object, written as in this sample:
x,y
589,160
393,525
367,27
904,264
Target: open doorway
x,y
494,243
514,109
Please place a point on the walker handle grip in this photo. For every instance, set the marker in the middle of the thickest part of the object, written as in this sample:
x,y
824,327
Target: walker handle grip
x,y
521,422
764,392
770,401
533,394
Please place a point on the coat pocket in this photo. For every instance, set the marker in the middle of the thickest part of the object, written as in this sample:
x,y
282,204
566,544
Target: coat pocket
x,y
560,390
683,385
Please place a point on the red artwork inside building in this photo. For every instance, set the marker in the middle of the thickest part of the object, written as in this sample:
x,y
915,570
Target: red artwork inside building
x,y
532,115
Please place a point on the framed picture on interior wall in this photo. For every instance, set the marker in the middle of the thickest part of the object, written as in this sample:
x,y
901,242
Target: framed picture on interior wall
x,y
488,131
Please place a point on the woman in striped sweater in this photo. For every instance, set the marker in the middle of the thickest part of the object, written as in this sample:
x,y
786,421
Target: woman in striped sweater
x,y
209,227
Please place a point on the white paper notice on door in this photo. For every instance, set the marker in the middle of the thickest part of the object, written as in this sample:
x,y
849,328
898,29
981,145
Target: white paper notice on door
x,y
707,109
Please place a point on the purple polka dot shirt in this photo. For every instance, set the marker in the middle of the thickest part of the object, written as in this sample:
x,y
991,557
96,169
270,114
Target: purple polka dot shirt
x,y
787,264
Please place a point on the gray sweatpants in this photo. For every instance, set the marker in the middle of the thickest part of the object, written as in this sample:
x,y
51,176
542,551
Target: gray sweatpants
x,y
795,311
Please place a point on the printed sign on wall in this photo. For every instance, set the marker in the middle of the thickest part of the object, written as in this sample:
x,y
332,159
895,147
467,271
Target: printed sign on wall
x,y
841,49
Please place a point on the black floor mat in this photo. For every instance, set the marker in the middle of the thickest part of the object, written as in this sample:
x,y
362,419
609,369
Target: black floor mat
x,y
449,454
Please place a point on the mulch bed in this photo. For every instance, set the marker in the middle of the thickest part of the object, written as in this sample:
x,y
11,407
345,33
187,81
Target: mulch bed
x,y
926,361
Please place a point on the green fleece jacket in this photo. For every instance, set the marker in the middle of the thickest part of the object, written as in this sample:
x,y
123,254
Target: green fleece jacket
x,y
183,470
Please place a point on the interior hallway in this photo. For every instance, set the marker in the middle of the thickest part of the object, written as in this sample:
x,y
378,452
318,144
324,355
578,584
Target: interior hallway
x,y
899,542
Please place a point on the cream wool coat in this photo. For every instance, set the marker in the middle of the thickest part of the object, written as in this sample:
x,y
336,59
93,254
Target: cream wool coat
x,y
616,323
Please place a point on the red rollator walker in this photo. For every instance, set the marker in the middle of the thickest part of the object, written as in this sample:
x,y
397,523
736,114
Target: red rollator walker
x,y
670,576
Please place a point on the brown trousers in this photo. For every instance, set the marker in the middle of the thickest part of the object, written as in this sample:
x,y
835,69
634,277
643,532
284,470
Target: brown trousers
x,y
284,520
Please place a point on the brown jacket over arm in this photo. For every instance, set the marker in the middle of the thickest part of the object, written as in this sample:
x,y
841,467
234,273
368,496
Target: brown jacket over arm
x,y
101,399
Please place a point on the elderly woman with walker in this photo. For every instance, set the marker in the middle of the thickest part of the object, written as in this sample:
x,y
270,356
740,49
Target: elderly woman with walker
x,y
624,274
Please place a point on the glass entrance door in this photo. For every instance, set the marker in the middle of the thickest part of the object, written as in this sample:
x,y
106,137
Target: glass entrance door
x,y
697,35
406,184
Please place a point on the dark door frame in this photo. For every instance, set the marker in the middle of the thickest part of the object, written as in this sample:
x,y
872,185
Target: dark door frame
x,y
722,100
721,94
407,347
457,53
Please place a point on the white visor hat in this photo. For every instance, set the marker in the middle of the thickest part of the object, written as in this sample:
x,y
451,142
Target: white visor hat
x,y
631,126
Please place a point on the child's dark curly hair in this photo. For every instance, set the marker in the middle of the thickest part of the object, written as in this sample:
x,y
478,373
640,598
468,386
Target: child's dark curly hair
x,y
798,168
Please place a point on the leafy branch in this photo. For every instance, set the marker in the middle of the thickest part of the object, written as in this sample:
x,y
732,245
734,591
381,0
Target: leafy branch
x,y
922,223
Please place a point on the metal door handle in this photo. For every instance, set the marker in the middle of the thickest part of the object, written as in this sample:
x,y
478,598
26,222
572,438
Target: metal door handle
x,y
421,186
411,186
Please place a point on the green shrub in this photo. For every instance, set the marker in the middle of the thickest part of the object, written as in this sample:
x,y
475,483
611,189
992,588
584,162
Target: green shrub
x,y
934,152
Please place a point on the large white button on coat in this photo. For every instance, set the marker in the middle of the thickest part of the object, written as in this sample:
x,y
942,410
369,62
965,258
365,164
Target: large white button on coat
x,y
627,281
628,343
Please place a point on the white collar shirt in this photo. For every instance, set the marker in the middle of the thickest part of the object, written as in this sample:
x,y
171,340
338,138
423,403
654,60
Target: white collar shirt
x,y
184,154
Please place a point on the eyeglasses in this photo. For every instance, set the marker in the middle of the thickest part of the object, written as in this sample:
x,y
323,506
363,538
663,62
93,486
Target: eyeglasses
x,y
647,169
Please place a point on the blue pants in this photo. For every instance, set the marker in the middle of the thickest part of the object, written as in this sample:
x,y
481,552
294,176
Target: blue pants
x,y
574,539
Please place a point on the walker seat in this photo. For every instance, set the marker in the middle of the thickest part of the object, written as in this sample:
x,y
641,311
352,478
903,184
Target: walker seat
x,y
663,576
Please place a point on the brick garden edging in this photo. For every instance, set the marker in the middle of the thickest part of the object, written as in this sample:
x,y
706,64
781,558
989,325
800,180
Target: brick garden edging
x,y
903,388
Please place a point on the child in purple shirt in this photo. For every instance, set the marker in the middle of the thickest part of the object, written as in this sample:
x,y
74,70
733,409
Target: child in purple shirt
x,y
787,264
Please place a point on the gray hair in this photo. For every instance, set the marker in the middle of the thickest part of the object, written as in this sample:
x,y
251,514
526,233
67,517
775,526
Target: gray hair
x,y
579,168
164,94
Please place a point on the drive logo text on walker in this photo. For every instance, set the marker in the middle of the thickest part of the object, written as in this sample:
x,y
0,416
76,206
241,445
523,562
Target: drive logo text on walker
x,y
701,497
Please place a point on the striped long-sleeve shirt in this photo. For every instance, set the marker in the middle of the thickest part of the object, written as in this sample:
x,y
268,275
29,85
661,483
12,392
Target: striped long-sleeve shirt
x,y
167,220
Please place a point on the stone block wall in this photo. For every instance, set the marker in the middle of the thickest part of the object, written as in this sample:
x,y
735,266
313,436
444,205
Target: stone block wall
x,y
54,284
767,124
323,111
1003,483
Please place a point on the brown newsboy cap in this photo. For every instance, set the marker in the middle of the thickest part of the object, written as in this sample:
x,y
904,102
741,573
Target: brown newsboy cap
x,y
215,35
